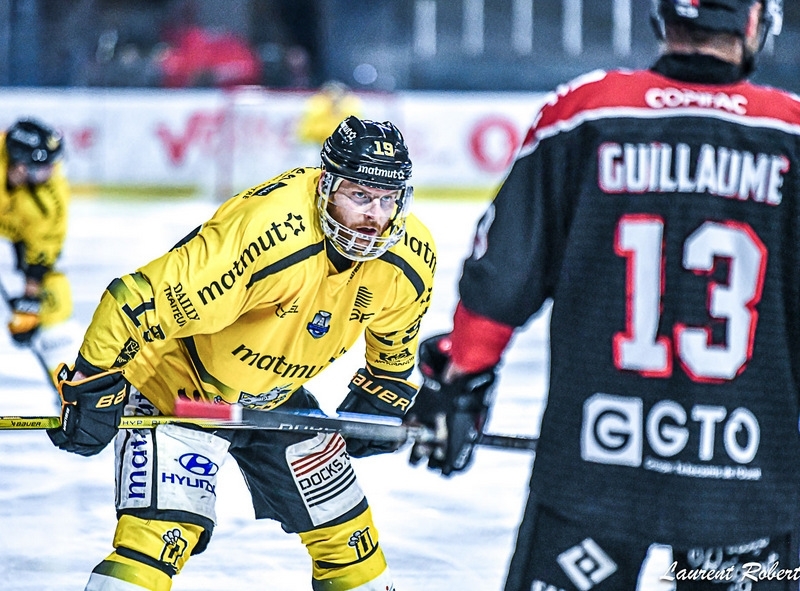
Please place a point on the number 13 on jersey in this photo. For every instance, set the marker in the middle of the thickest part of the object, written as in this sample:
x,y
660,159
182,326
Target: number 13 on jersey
x,y
640,240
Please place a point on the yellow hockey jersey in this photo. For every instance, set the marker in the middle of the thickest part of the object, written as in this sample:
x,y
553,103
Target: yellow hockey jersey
x,y
323,114
35,215
250,307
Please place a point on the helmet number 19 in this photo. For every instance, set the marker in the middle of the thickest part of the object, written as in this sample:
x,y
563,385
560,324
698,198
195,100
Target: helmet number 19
x,y
640,240
384,148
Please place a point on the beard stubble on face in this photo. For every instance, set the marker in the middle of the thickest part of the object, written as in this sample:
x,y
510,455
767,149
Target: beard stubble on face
x,y
355,221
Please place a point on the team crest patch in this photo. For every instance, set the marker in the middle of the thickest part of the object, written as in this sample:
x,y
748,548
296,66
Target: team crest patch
x,y
361,541
319,327
174,546
266,400
128,352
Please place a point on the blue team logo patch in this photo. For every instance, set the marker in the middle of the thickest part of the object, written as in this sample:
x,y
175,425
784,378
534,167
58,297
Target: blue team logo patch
x,y
319,327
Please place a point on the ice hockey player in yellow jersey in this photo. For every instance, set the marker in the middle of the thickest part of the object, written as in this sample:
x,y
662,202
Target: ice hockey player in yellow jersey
x,y
324,110
278,284
34,203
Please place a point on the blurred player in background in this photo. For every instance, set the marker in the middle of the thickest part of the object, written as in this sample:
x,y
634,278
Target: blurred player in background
x,y
323,111
276,286
659,210
34,203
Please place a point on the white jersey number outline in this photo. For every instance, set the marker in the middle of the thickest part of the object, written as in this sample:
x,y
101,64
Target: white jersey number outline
x,y
640,240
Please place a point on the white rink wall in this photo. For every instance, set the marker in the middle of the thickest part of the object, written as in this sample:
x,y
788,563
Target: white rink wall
x,y
219,142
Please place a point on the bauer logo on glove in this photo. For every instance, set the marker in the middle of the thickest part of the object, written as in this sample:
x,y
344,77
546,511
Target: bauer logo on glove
x,y
376,394
93,403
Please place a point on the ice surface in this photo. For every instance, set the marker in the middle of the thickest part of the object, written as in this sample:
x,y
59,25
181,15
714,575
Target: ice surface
x,y
439,534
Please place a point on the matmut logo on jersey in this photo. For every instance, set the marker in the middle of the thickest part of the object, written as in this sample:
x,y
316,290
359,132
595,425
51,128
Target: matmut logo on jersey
x,y
273,235
616,431
659,167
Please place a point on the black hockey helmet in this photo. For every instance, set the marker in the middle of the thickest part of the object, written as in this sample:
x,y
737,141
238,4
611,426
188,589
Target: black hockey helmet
x,y
371,154
724,16
368,153
33,143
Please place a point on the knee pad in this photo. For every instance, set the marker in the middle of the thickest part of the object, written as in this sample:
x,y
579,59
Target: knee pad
x,y
161,545
347,556
56,299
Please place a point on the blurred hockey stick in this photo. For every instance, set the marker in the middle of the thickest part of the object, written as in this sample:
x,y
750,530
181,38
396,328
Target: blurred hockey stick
x,y
223,416
33,349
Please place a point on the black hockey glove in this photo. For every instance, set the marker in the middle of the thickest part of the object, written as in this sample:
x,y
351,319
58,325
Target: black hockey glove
x,y
376,395
455,411
24,321
91,409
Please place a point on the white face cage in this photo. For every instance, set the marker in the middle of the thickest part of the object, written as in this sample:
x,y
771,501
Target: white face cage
x,y
352,244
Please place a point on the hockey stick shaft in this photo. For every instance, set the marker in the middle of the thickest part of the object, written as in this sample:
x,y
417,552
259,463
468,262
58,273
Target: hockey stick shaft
x,y
251,419
34,350
285,421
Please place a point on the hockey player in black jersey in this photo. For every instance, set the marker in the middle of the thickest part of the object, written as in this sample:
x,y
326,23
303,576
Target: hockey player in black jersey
x,y
659,211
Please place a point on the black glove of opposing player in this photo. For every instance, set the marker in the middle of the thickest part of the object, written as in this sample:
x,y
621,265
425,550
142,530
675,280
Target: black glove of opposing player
x,y
456,412
91,409
376,395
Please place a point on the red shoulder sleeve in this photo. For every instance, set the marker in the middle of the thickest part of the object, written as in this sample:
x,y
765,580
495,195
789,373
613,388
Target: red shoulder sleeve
x,y
478,342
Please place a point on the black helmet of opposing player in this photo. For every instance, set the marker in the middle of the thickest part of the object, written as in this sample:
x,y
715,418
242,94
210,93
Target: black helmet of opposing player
x,y
724,16
34,144
374,155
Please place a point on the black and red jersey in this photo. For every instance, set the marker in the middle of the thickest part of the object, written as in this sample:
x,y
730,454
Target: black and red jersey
x,y
662,218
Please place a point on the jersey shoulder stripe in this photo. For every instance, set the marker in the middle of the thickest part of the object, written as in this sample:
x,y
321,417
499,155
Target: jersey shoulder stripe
x,y
296,257
414,256
204,375
643,94
410,273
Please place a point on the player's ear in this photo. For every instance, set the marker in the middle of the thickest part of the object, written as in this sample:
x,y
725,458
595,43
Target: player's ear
x,y
753,21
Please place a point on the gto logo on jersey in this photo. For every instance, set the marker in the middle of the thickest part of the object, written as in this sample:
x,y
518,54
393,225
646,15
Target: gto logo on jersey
x,y
661,168
272,236
198,464
615,429
586,564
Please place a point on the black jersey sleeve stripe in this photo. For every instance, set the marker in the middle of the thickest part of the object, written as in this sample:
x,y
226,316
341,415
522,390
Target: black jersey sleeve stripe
x,y
202,372
286,262
408,271
186,238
